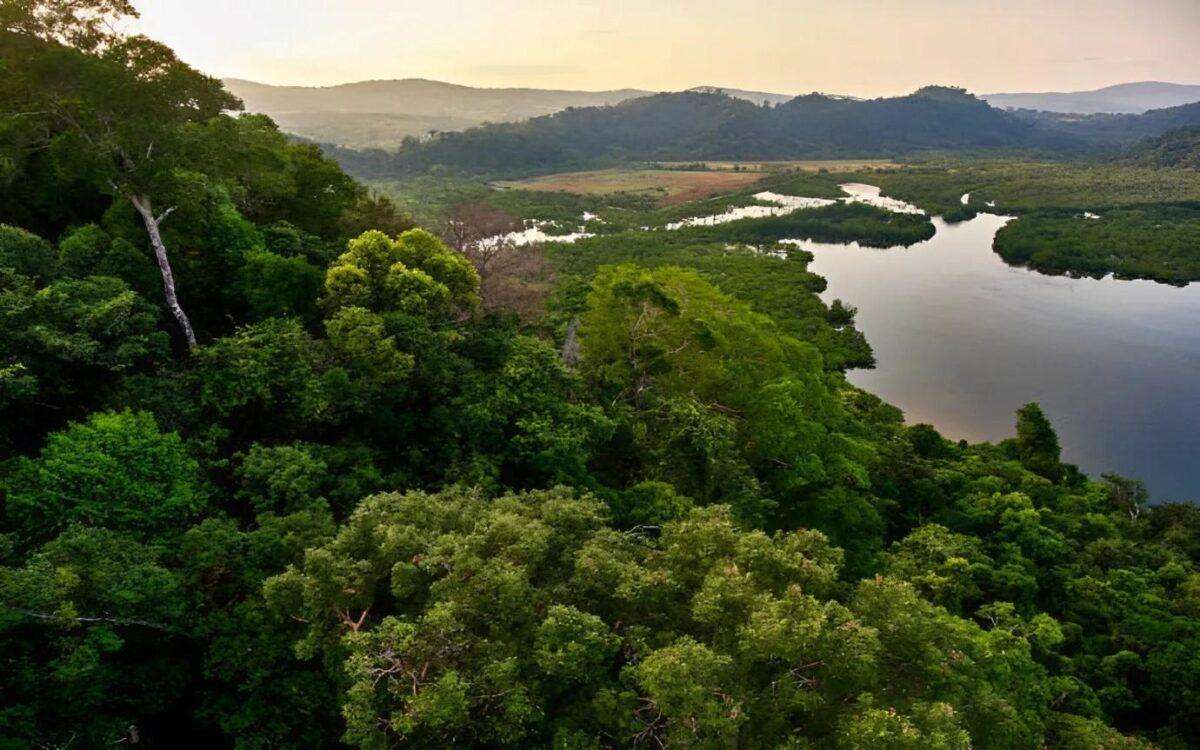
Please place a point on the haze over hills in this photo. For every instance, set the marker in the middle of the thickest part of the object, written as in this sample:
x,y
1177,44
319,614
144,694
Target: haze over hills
x,y
1124,98
420,97
380,114
754,97
698,125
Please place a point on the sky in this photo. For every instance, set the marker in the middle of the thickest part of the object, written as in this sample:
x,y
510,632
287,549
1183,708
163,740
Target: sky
x,y
857,47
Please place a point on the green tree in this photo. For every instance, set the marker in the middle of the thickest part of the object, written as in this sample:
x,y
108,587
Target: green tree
x,y
73,335
84,24
724,399
117,110
92,615
1037,443
25,254
414,273
116,471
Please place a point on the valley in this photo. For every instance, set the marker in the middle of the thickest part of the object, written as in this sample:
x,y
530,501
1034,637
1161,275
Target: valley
x,y
664,186
587,408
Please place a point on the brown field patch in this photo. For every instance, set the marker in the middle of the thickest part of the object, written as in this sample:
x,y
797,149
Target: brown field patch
x,y
667,185
805,165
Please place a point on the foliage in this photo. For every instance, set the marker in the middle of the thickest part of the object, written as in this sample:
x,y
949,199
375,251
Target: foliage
x,y
720,399
1017,187
64,343
854,222
1175,148
1156,242
414,273
706,636
116,471
368,510
779,286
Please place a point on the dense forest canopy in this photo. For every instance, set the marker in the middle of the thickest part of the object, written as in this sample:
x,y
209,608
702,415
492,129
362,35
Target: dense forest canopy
x,y
363,502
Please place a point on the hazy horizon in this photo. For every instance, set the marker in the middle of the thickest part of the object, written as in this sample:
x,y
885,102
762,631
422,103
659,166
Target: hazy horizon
x,y
861,48
682,88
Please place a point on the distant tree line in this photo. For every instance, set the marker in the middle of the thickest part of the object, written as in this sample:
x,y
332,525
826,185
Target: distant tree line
x,y
690,126
355,502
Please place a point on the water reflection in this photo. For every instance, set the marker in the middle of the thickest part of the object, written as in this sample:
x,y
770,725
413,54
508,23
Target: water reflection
x,y
963,340
777,204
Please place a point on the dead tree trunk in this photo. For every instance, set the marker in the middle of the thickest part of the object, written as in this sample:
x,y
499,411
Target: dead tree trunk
x,y
570,348
152,222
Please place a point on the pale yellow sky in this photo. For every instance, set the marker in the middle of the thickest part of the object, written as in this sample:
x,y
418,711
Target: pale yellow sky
x,y
861,47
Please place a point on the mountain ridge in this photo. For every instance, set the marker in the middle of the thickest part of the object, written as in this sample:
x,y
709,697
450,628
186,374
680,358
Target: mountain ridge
x,y
383,113
380,113
698,125
693,125
1135,97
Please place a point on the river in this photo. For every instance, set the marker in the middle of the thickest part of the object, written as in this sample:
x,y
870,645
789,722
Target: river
x,y
963,340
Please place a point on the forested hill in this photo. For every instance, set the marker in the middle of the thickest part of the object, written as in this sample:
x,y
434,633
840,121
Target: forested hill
x,y
380,114
1114,130
279,471
1175,148
934,117
368,114
705,125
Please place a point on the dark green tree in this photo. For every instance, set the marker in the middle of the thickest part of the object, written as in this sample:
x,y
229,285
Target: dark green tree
x,y
1037,443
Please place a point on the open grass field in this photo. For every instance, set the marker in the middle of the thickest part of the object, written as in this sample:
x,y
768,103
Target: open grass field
x,y
668,186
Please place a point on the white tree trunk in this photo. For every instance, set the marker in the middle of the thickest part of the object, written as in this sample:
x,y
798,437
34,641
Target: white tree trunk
x,y
143,206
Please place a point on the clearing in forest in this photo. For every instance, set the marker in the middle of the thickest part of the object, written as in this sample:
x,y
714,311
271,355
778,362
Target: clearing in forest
x,y
802,165
668,185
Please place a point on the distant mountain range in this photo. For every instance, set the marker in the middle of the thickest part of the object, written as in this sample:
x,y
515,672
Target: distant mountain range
x,y
1124,98
502,130
695,125
380,114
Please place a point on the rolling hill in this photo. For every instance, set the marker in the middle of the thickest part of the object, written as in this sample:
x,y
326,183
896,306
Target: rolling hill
x,y
697,125
1124,98
381,114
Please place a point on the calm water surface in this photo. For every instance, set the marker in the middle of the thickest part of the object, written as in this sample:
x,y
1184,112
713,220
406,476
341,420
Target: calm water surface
x,y
963,340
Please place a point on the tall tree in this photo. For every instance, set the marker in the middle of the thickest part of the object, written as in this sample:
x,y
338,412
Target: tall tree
x,y
117,106
82,24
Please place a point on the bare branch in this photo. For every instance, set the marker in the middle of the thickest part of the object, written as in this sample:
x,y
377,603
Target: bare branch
x,y
110,620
